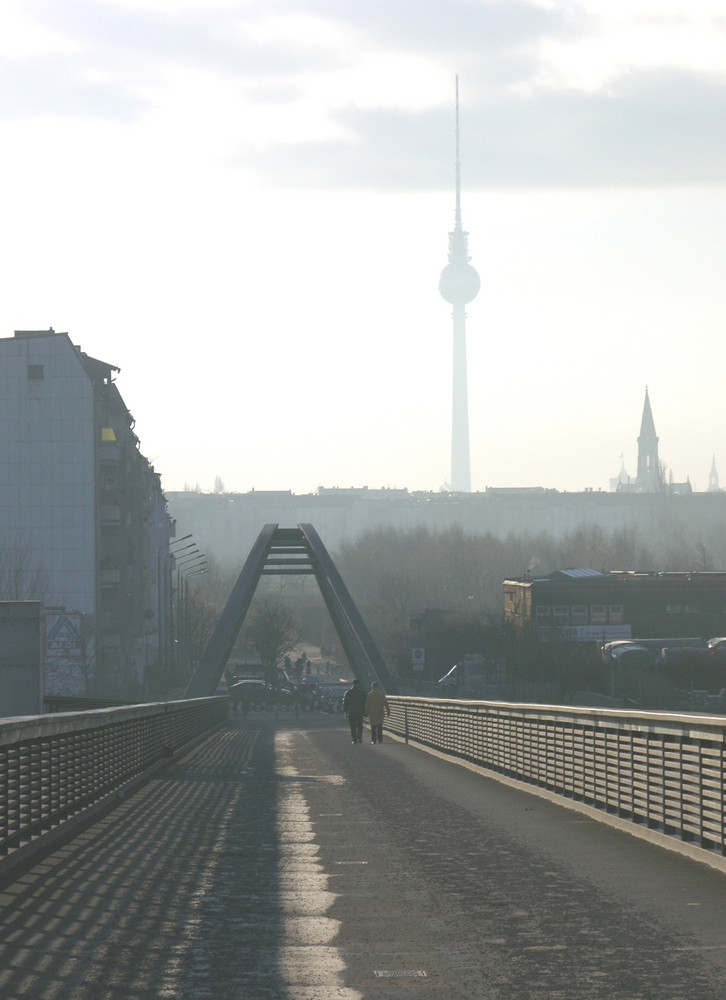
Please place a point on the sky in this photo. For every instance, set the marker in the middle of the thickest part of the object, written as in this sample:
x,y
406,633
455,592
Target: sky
x,y
245,206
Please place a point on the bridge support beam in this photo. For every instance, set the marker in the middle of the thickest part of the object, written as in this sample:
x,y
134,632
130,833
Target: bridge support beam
x,y
291,551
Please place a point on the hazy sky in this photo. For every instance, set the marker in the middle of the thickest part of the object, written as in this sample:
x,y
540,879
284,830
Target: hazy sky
x,y
244,204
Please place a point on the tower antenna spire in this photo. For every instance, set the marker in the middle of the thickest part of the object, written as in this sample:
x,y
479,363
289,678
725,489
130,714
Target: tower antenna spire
x,y
457,216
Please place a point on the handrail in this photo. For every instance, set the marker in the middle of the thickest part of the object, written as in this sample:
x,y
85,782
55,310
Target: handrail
x,y
53,767
665,771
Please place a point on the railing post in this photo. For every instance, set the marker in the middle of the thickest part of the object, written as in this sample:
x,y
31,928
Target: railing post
x,y
51,769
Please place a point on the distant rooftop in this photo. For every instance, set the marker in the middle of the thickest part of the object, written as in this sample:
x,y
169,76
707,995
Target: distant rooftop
x,y
27,334
577,574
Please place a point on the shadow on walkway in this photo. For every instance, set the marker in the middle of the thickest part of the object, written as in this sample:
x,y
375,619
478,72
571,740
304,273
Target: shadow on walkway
x,y
165,896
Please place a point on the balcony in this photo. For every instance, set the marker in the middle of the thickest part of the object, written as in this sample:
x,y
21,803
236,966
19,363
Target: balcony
x,y
110,577
110,514
109,641
110,452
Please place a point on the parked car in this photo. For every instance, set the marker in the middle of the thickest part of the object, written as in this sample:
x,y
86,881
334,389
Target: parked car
x,y
332,694
626,653
250,692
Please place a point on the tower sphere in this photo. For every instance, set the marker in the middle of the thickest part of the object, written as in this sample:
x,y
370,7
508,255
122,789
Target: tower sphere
x,y
459,283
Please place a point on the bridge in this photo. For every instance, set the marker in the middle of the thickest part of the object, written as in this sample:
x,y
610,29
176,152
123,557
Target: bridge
x,y
483,850
285,552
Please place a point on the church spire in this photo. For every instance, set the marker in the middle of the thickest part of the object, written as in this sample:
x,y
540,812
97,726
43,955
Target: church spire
x,y
648,479
713,486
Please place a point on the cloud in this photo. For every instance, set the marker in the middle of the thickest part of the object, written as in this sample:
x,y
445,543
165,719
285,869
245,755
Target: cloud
x,y
59,85
651,127
482,27
111,54
521,124
249,41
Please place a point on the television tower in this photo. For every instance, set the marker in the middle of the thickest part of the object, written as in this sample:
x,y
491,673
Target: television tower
x,y
459,283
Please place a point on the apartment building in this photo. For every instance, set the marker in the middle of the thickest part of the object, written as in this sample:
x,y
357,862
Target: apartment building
x,y
84,525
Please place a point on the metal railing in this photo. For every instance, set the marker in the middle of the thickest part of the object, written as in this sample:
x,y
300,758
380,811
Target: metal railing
x,y
663,771
53,767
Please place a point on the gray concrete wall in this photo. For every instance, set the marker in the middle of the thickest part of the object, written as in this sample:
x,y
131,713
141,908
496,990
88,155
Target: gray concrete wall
x,y
21,670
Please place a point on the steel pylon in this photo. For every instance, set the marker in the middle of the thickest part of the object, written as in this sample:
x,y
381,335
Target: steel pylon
x,y
291,552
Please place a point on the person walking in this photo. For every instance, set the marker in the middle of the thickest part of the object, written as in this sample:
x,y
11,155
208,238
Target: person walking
x,y
354,701
376,706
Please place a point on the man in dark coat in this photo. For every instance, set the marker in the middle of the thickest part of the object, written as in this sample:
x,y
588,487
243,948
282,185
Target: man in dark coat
x,y
354,701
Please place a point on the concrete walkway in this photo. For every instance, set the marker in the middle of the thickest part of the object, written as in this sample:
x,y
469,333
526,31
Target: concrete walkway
x,y
277,860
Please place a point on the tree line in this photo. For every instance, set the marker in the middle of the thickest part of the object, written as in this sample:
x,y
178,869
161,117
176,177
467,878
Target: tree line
x,y
395,574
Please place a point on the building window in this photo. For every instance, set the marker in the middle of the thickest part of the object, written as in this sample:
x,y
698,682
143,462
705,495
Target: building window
x,y
598,614
617,615
690,609
579,614
561,614
673,609
35,373
107,434
542,611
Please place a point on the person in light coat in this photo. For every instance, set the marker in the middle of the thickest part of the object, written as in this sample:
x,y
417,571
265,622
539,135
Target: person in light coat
x,y
376,708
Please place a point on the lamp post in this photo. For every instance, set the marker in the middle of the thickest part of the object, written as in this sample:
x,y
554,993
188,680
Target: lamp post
x,y
190,638
190,564
165,614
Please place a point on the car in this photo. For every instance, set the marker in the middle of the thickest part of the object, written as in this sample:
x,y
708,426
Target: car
x,y
250,692
332,694
626,653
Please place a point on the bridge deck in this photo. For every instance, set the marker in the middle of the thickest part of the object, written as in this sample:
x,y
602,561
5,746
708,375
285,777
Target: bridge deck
x,y
276,860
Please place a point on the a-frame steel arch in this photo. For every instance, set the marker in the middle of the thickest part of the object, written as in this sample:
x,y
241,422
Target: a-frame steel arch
x,y
285,552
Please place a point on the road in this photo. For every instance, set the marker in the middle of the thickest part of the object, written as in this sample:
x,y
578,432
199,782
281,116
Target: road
x,y
277,860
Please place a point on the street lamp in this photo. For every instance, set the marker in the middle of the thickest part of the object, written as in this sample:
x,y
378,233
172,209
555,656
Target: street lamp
x,y
175,541
195,564
167,561
164,601
192,557
175,554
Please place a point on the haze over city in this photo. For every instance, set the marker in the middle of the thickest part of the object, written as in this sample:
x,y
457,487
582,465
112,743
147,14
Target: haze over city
x,y
245,207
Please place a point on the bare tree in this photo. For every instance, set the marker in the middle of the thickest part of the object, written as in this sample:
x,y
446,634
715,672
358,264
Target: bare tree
x,y
393,574
200,600
22,578
271,631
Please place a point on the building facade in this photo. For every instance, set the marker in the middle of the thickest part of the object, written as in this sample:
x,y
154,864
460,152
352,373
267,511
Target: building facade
x,y
585,605
226,525
82,514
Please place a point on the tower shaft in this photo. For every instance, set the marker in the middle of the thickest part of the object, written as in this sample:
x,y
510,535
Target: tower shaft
x,y
460,454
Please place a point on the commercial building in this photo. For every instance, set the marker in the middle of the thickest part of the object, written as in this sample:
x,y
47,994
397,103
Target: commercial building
x,y
583,604
84,525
